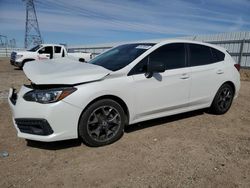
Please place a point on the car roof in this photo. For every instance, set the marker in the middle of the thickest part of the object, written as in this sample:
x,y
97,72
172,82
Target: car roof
x,y
191,42
45,44
163,42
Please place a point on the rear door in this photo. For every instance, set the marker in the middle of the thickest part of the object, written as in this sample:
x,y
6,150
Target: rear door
x,y
206,65
166,92
57,51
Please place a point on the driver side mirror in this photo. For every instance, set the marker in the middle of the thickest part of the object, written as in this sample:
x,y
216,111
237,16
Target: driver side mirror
x,y
154,67
82,60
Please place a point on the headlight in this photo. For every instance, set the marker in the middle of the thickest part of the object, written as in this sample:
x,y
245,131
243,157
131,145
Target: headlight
x,y
18,56
48,95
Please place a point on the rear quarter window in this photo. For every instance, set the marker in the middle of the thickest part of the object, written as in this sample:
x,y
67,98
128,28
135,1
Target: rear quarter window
x,y
217,55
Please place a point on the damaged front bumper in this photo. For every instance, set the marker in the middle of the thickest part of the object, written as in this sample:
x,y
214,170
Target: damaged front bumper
x,y
43,122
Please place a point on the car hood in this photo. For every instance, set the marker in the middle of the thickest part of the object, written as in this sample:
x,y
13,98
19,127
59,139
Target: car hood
x,y
63,71
23,52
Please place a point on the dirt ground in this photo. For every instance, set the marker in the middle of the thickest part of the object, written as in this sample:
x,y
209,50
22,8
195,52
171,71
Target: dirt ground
x,y
194,149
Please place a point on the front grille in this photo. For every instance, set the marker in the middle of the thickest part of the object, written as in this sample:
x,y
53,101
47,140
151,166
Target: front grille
x,y
34,126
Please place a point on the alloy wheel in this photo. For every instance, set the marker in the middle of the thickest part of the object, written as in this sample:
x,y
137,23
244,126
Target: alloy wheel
x,y
103,123
225,98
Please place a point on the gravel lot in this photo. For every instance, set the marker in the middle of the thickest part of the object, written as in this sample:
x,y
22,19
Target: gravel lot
x,y
194,149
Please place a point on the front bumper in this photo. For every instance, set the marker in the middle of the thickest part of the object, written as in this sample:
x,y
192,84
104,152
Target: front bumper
x,y
15,63
12,61
43,122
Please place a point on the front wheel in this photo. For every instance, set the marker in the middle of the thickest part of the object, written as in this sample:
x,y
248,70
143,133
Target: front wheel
x,y
223,99
102,123
22,64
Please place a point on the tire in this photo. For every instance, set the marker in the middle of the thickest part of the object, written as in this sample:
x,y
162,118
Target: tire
x,y
102,123
222,100
24,61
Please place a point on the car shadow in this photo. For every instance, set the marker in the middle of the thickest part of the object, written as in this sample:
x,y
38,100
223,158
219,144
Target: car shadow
x,y
163,120
18,69
58,145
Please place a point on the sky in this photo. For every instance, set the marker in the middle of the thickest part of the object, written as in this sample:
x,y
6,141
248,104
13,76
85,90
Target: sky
x,y
81,22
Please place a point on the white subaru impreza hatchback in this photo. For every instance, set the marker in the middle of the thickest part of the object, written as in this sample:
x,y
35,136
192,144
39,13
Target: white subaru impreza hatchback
x,y
125,85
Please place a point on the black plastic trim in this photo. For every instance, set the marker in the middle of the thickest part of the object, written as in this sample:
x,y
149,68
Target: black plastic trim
x,y
34,126
13,97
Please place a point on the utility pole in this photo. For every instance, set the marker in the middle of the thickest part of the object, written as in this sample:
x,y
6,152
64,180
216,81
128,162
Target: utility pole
x,y
32,32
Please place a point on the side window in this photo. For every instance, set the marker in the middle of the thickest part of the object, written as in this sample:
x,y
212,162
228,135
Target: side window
x,y
200,55
172,55
57,49
140,67
217,55
46,50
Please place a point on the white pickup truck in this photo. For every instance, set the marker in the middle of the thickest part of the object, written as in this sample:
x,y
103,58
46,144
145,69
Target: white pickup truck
x,y
46,51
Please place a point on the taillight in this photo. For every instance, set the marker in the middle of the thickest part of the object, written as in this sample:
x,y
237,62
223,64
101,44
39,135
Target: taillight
x,y
237,66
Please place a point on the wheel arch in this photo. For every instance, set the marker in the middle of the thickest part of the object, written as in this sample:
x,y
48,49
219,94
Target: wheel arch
x,y
28,59
112,97
226,82
231,84
213,107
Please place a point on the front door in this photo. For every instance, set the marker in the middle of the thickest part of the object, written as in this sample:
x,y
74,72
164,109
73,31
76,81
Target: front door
x,y
45,53
164,93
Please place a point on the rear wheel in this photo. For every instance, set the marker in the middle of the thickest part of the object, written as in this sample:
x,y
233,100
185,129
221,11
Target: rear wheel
x,y
102,123
223,99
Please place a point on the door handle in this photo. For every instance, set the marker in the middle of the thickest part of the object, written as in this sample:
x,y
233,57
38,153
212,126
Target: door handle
x,y
184,76
219,71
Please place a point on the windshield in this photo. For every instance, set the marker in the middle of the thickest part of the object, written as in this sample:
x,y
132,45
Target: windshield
x,y
34,49
119,57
